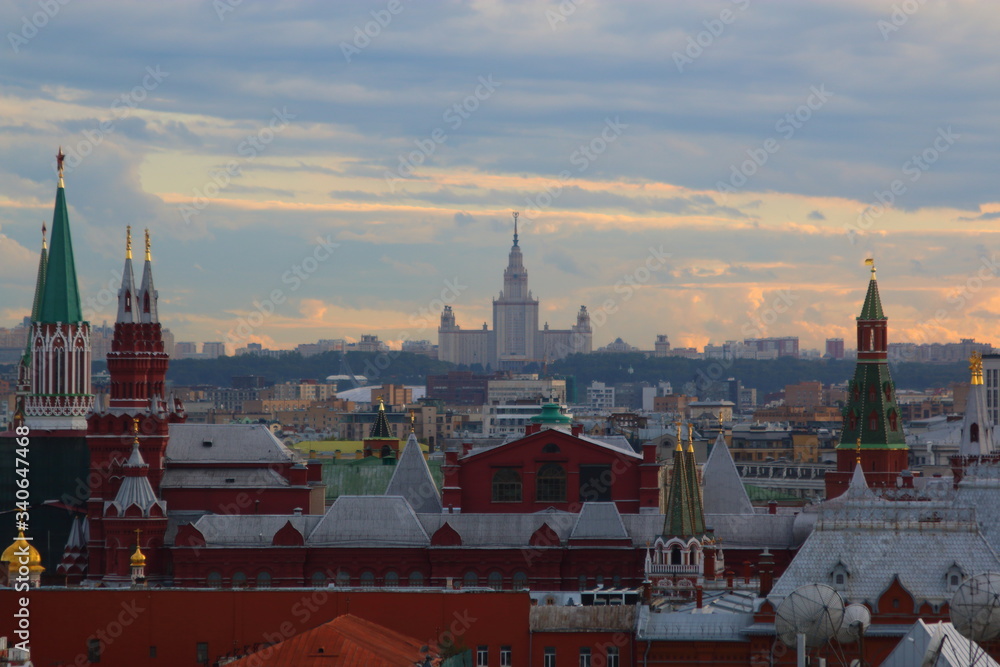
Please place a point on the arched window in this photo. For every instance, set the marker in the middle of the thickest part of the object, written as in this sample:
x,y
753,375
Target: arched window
x,y
616,581
318,579
470,580
367,579
871,392
852,420
520,580
506,486
893,420
974,433
343,579
873,421
263,579
215,579
550,484
551,448
239,579
392,579
495,580
676,557
416,578
582,582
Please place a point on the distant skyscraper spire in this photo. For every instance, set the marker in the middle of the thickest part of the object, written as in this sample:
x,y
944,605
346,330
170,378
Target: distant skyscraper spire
x,y
515,227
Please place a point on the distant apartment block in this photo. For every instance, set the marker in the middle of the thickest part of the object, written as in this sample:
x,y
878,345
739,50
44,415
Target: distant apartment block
x,y
772,348
526,388
213,349
835,348
937,352
600,396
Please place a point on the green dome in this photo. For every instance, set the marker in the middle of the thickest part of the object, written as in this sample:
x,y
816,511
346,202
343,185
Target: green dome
x,y
551,414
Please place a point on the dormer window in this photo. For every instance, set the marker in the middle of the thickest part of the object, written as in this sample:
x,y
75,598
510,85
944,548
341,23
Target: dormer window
x,y
839,575
954,576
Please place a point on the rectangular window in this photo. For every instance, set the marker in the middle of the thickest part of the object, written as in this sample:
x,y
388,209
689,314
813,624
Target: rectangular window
x,y
483,656
595,483
613,657
584,656
505,656
152,651
550,657
201,653
93,650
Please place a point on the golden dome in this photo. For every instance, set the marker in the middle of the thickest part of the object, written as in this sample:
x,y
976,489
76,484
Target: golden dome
x,y
138,558
10,554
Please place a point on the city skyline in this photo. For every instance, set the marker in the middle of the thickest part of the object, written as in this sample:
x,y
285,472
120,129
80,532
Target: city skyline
x,y
337,182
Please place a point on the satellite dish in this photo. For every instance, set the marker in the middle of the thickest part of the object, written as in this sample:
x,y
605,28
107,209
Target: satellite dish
x,y
857,618
975,607
813,610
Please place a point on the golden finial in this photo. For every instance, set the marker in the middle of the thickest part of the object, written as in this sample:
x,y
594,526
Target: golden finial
x,y
858,451
976,366
381,404
871,262
680,437
135,430
138,558
60,157
128,242
690,437
44,242
147,244
413,422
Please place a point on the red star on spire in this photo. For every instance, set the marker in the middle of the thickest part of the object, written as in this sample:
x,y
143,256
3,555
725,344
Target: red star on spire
x,y
59,160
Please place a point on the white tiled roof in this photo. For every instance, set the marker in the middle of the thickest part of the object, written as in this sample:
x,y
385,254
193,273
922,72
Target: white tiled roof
x,y
249,530
692,626
222,477
953,649
723,491
918,542
499,530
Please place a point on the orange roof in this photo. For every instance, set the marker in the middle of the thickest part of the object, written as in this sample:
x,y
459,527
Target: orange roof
x,y
346,641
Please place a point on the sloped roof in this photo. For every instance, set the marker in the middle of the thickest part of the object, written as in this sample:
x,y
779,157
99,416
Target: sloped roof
x,y
872,308
346,641
599,521
724,492
135,488
499,530
678,626
249,530
61,298
412,480
615,443
257,478
369,520
236,443
918,542
953,649
380,427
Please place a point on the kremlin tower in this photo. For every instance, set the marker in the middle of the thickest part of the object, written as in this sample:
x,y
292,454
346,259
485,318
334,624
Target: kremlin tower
x,y
872,435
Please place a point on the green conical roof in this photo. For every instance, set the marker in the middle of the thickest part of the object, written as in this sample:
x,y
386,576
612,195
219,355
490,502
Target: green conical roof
x,y
61,297
685,515
871,412
36,305
872,310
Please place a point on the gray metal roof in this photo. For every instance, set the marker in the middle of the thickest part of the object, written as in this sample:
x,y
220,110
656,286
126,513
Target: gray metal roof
x,y
135,489
756,530
723,491
249,530
412,480
873,543
369,521
952,649
599,521
257,478
499,530
697,625
232,443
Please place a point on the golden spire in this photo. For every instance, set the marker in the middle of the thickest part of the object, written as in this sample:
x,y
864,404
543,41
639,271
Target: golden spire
x,y
976,366
59,165
871,262
413,420
858,451
381,404
128,242
44,242
690,437
147,244
680,437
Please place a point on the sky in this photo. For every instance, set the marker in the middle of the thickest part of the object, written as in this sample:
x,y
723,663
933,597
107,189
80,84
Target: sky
x,y
705,170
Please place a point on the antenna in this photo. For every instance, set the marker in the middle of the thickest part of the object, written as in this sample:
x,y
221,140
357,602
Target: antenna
x,y
975,608
814,611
